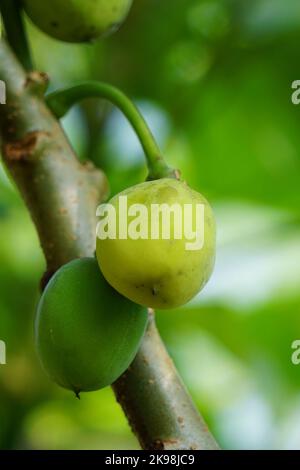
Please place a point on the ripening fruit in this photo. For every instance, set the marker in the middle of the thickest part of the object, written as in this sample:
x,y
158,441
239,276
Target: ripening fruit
x,y
163,272
77,20
86,333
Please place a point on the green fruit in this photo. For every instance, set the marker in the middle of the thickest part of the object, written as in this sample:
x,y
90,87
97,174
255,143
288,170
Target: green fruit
x,y
87,334
77,20
158,273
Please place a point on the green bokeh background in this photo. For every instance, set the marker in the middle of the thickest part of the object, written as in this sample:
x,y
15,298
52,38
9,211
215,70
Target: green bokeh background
x,y
213,79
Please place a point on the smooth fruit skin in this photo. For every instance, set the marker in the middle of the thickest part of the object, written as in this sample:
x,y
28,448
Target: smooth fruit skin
x,y
159,273
77,20
86,333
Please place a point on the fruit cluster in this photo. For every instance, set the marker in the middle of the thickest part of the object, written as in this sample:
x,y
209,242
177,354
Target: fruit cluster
x,y
91,321
93,313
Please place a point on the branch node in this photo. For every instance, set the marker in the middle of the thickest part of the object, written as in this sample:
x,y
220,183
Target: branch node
x,y
37,82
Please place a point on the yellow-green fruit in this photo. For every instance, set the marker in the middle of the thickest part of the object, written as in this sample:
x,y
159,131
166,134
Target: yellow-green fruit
x,y
159,273
77,20
87,334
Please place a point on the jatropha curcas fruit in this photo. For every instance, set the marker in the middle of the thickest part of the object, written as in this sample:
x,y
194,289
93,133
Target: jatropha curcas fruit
x,y
146,262
87,334
77,20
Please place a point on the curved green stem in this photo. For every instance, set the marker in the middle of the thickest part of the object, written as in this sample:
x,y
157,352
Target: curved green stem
x,y
11,11
61,101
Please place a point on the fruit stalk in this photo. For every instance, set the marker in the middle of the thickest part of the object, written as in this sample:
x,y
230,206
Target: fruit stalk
x,y
62,196
11,11
61,101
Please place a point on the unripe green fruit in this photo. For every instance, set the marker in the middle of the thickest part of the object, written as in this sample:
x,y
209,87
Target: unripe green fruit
x,y
77,20
87,334
159,273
